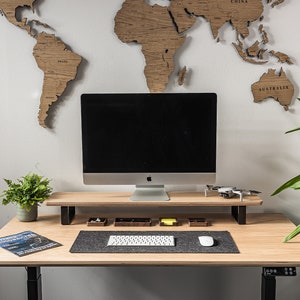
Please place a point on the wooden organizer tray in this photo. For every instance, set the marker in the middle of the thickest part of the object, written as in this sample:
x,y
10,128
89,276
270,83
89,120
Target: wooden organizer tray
x,y
133,222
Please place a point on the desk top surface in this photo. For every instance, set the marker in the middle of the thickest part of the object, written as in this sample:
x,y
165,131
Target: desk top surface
x,y
259,242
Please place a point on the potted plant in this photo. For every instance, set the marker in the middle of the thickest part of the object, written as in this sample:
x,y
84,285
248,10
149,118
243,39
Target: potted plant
x,y
293,183
27,192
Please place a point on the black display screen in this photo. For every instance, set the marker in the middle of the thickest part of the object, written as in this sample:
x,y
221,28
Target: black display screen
x,y
161,133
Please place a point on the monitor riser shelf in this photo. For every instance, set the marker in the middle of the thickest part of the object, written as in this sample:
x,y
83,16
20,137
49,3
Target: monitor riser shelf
x,y
68,201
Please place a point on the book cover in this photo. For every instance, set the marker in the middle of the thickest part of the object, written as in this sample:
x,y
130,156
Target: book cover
x,y
26,242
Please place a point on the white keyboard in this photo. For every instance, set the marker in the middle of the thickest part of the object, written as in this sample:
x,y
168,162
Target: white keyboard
x,y
141,240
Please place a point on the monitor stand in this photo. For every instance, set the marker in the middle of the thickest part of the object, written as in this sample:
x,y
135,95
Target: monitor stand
x,y
149,193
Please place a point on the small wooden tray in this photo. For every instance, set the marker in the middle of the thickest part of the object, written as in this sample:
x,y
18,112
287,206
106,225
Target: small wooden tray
x,y
198,222
96,221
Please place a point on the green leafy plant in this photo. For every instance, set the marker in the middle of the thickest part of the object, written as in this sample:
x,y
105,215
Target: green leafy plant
x,y
293,183
29,190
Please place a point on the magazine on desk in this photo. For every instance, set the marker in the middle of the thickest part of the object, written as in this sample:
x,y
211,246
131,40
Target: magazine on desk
x,y
26,242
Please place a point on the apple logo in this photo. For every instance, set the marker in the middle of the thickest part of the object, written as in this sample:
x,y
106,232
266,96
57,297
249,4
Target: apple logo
x,y
149,178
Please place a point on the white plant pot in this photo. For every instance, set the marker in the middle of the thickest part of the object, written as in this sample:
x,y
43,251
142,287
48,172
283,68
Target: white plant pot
x,y
27,216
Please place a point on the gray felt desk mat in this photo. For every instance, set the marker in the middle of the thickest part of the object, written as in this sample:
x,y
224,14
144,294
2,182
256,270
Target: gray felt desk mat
x,y
186,242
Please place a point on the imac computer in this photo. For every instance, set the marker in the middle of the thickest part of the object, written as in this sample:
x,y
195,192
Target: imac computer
x,y
149,140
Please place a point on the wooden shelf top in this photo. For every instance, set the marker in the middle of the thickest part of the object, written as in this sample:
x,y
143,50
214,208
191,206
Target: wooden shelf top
x,y
122,199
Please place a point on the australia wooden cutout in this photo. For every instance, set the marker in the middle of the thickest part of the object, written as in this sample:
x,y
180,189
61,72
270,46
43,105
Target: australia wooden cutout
x,y
276,86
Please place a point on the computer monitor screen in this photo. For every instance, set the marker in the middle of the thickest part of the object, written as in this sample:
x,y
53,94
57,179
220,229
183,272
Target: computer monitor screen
x,y
149,140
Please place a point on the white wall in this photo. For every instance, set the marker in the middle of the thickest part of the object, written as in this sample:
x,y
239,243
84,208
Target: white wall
x,y
253,150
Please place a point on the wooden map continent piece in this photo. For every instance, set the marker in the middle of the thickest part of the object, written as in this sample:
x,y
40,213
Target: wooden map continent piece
x,y
181,75
264,35
59,66
253,50
153,28
275,3
244,54
282,57
271,85
9,7
217,12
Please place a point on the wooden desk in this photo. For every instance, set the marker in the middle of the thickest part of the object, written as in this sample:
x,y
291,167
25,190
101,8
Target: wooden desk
x,y
259,242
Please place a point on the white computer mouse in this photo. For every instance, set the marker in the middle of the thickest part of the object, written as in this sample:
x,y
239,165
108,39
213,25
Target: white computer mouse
x,y
206,240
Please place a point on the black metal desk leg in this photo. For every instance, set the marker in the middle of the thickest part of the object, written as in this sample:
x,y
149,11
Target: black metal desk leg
x,y
268,283
268,287
34,283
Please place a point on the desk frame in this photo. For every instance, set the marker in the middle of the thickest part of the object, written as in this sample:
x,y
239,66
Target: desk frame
x,y
34,284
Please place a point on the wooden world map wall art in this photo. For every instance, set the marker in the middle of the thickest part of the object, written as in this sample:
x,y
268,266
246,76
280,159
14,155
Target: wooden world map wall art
x,y
58,63
161,30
